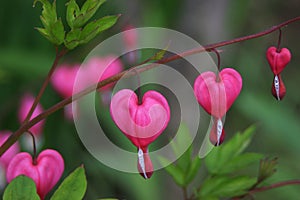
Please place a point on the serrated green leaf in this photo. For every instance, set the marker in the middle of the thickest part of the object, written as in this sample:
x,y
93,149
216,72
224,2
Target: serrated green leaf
x,y
73,11
220,156
49,15
176,173
57,32
88,10
159,55
225,187
73,187
93,28
21,188
240,162
267,168
44,33
72,38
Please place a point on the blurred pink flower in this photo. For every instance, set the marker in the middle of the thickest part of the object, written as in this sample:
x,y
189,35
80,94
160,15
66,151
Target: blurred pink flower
x,y
97,69
63,79
11,152
46,172
25,105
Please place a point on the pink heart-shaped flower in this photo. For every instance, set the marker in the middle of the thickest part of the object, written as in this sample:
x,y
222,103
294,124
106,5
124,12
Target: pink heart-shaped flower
x,y
25,105
216,95
278,59
45,172
141,122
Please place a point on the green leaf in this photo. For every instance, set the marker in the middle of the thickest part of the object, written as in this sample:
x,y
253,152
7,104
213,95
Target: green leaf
x,y
93,28
88,10
72,38
57,32
73,187
185,168
192,170
240,162
267,168
174,171
49,15
224,154
223,186
44,33
73,11
21,188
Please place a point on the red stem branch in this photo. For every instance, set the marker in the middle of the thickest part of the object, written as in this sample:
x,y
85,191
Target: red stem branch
x,y
26,125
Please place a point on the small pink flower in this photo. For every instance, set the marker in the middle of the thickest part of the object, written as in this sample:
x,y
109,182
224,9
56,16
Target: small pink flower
x,y
130,38
216,95
25,105
141,123
11,152
45,171
278,59
99,68
63,79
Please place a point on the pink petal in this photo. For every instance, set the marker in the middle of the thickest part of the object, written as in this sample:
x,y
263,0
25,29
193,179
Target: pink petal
x,y
217,96
63,79
11,152
100,68
25,105
142,124
278,60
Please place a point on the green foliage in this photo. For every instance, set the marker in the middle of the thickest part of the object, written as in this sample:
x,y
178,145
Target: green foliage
x,y
228,157
53,28
21,188
267,168
81,31
224,186
73,187
186,167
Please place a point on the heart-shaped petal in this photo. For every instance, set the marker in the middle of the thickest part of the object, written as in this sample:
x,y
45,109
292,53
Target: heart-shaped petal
x,y
216,95
278,59
278,88
141,123
45,172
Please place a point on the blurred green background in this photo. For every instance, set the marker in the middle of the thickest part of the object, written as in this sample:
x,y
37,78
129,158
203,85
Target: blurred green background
x,y
25,58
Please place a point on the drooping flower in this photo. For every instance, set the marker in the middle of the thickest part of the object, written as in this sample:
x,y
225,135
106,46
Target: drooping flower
x,y
25,105
45,171
278,60
216,95
141,122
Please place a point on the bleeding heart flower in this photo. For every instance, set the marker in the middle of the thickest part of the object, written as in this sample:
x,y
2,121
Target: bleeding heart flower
x,y
278,59
11,152
45,171
141,122
278,88
217,94
25,105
